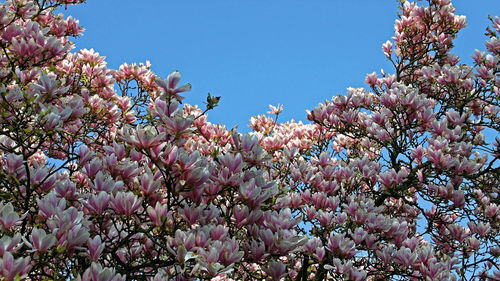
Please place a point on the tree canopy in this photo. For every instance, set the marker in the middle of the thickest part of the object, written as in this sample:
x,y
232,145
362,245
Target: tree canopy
x,y
107,175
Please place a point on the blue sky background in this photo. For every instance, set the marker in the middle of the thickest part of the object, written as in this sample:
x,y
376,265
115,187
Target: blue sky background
x,y
258,52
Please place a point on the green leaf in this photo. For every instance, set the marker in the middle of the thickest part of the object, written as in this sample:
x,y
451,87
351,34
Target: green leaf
x,y
60,249
212,102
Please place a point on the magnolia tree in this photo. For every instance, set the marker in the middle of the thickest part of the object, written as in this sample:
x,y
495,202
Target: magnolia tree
x,y
104,175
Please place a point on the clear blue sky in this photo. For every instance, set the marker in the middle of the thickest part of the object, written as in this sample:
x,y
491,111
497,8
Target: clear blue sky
x,y
258,52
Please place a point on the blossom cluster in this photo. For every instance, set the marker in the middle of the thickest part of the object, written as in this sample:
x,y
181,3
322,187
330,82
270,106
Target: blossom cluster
x,y
105,175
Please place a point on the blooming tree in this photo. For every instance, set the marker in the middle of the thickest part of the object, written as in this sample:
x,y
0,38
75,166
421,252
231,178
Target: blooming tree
x,y
106,175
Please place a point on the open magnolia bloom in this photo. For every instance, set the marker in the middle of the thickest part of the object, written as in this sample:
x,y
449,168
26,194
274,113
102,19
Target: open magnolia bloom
x,y
169,86
100,181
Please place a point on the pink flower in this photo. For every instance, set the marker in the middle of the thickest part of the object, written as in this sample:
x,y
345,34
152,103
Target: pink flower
x,y
320,253
125,203
169,85
275,109
359,235
371,79
105,183
387,48
418,154
492,210
158,213
275,270
97,273
84,154
218,233
164,109
190,214
480,228
405,257
230,254
10,267
49,86
339,244
42,241
8,217
98,202
10,244
357,275
148,184
385,254
324,218
95,247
